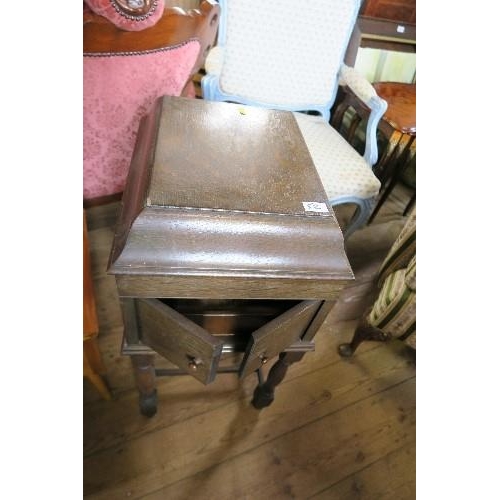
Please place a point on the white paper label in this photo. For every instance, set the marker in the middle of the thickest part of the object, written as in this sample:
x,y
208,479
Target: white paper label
x,y
400,29
314,206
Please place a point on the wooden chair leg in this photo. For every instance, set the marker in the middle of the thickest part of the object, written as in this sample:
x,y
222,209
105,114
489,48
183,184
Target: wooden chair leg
x,y
96,380
385,163
385,194
93,354
93,366
410,204
363,332
407,151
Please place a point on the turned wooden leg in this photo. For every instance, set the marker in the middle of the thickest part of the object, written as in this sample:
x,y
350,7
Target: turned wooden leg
x,y
363,332
264,393
144,372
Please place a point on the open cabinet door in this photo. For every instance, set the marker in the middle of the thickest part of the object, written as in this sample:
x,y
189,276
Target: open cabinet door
x,y
275,336
178,339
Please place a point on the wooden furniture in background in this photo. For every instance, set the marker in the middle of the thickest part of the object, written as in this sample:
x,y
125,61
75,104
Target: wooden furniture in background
x,y
393,10
226,243
388,24
399,125
93,366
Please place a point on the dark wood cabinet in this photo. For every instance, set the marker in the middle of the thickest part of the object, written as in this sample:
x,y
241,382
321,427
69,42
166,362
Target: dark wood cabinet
x,y
226,243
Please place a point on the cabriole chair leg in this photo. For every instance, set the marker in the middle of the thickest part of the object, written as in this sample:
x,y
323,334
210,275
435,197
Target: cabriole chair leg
x,y
363,332
361,215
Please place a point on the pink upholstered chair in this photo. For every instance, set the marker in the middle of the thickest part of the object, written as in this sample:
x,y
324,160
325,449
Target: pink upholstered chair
x,y
132,56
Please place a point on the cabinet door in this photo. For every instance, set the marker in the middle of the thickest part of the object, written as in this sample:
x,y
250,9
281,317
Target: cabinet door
x,y
277,335
178,339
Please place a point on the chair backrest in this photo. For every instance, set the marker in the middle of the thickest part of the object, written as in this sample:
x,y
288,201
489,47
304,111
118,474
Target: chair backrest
x,y
284,53
124,72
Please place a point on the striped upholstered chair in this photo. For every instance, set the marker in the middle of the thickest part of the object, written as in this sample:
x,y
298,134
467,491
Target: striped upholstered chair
x,y
393,315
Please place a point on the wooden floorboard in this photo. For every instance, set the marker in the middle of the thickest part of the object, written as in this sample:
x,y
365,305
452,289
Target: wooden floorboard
x,y
337,428
385,478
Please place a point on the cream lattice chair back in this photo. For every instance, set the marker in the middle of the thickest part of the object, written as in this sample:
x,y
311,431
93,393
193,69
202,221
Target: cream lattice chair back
x,y
288,55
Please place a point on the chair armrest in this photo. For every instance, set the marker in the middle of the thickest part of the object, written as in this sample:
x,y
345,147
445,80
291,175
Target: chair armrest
x,y
364,91
356,81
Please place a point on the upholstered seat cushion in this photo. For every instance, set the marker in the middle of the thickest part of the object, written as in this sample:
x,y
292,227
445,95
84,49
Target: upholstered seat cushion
x,y
118,90
342,170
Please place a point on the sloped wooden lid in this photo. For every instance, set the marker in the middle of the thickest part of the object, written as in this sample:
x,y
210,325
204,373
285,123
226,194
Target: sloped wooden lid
x,y
230,157
219,189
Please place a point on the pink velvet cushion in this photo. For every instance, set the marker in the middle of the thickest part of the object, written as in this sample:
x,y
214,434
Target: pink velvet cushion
x,y
117,91
106,9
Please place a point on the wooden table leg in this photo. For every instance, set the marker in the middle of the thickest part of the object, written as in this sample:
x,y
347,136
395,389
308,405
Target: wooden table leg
x,y
144,372
264,393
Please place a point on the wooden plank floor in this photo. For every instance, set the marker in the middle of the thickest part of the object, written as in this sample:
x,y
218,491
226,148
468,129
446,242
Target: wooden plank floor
x,y
338,429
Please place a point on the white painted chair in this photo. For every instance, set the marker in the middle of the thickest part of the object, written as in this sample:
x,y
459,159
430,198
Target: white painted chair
x,y
288,55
